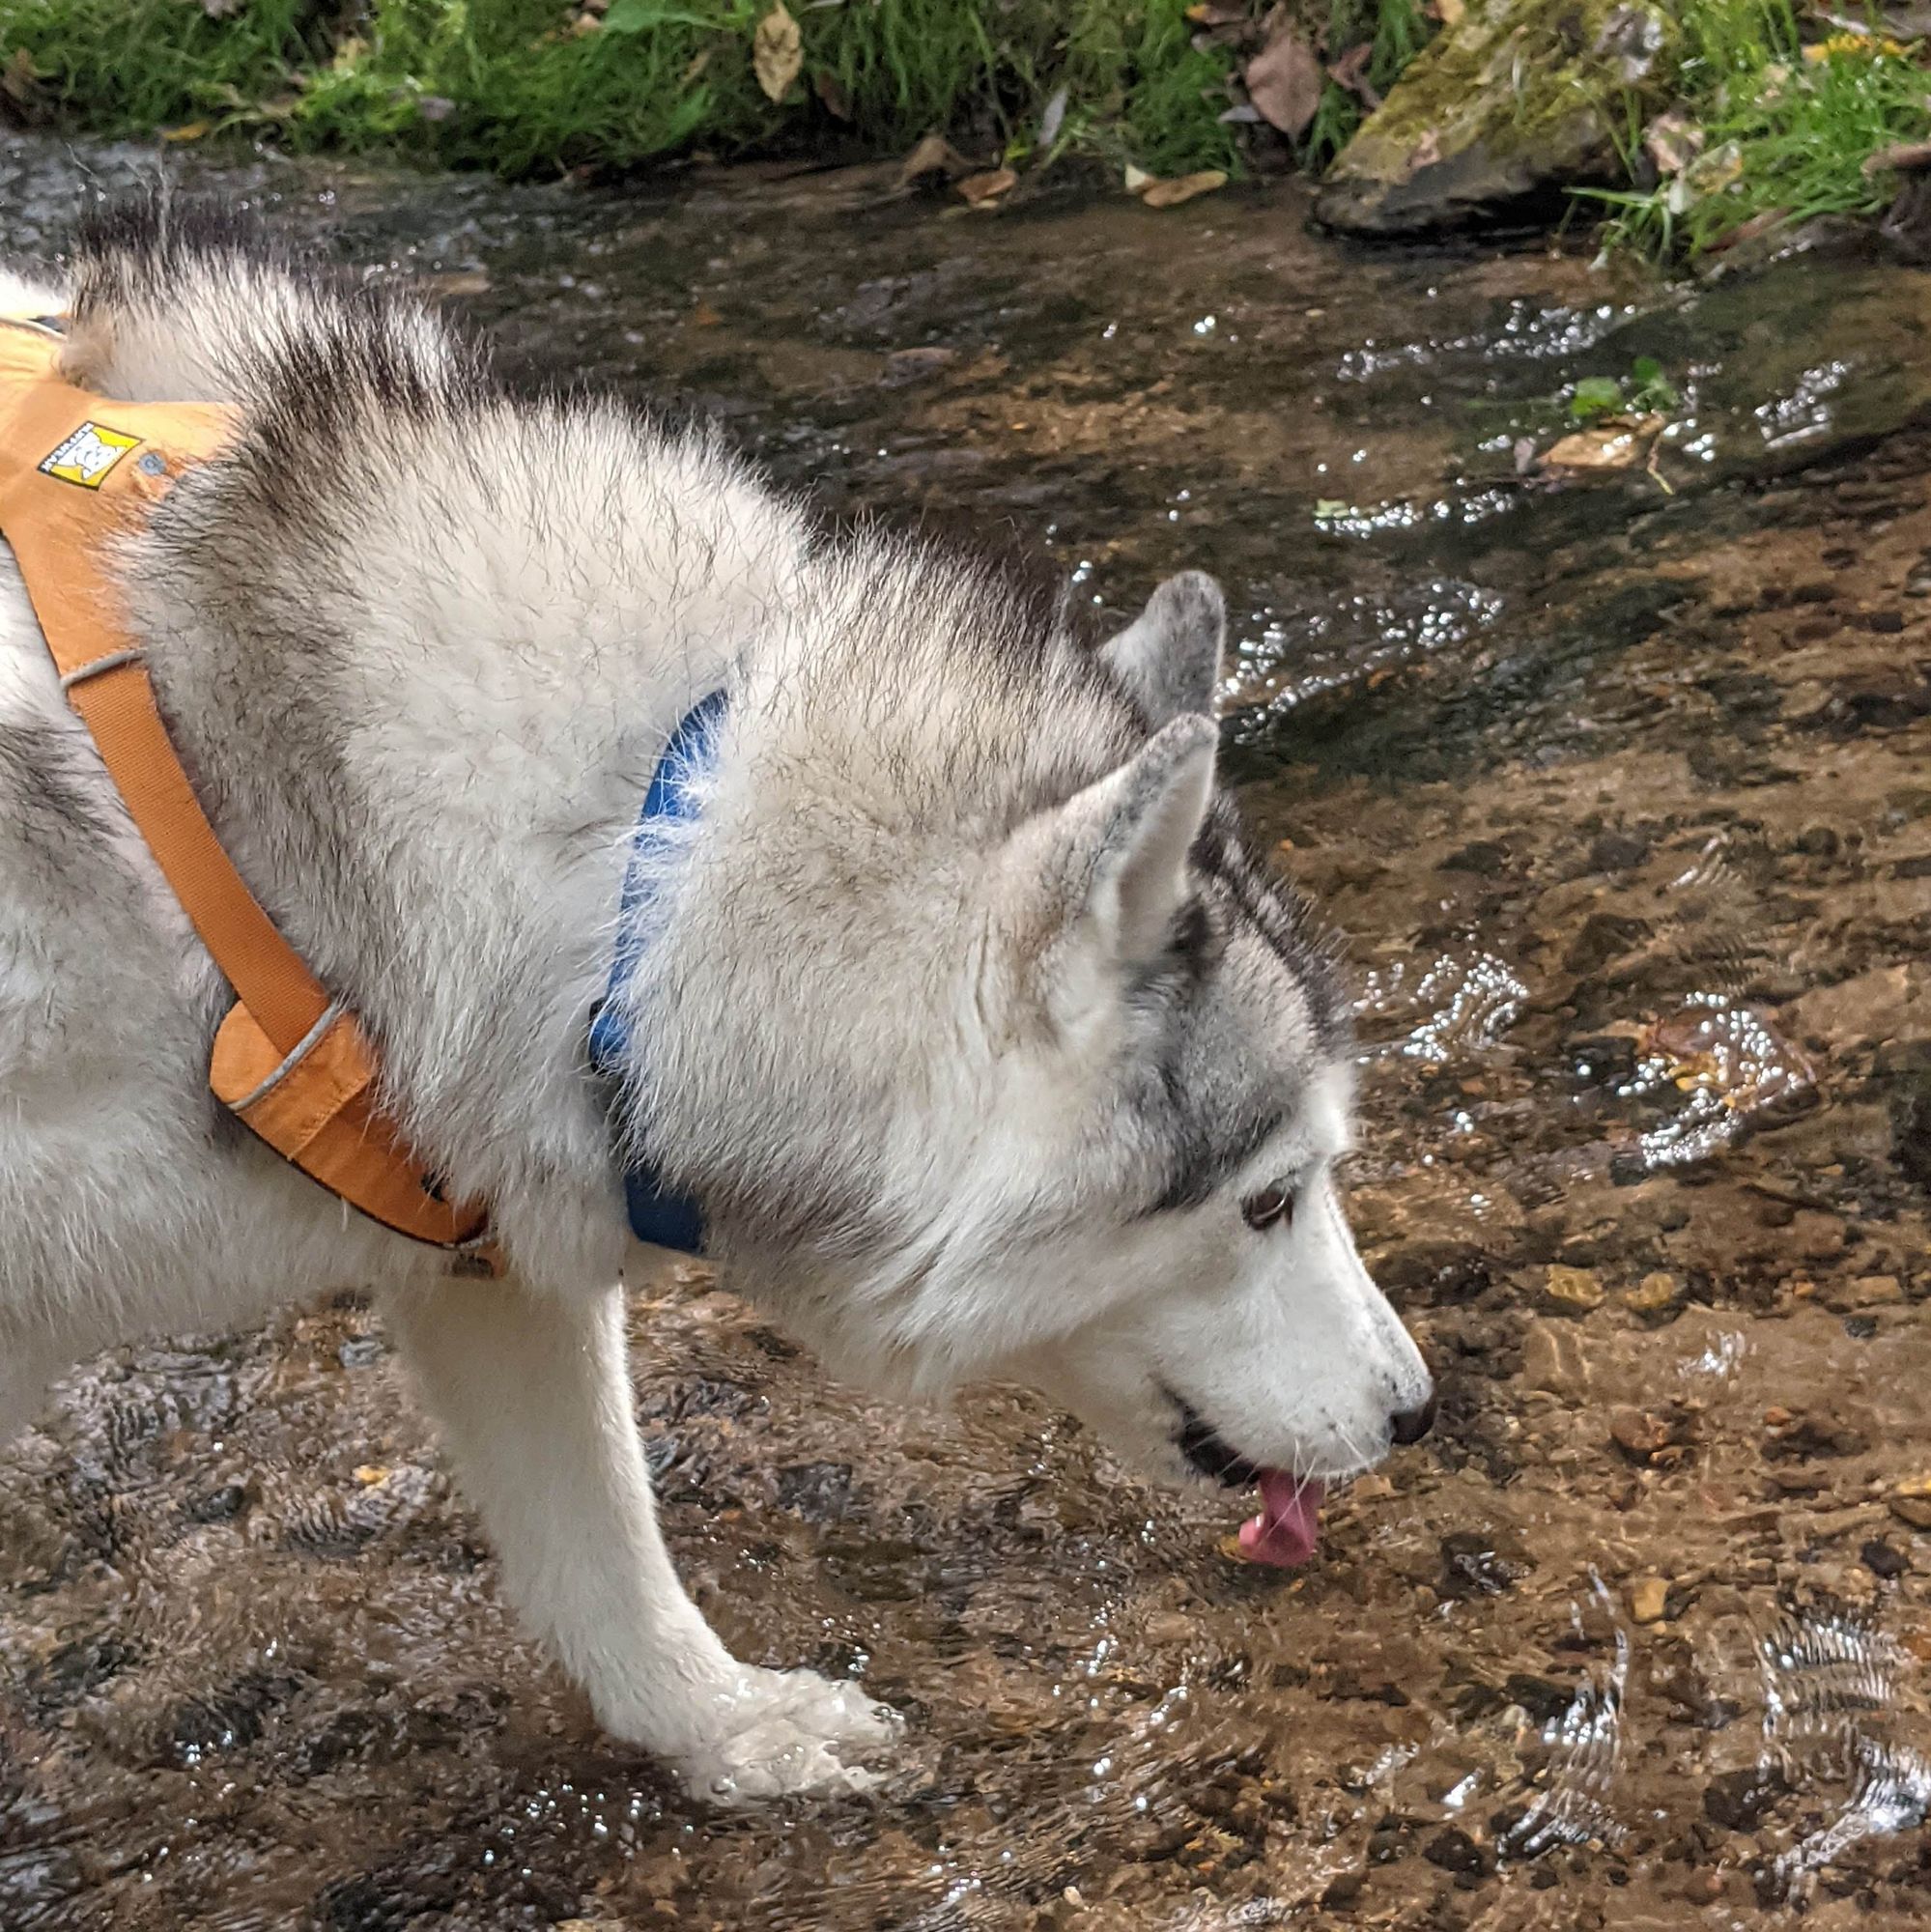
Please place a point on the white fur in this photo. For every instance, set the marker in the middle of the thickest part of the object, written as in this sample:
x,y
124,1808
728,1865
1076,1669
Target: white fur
x,y
893,1015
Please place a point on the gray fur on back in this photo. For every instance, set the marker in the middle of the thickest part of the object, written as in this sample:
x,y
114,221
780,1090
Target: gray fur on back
x,y
421,638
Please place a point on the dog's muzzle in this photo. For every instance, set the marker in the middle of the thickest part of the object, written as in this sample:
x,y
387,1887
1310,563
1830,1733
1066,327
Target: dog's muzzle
x,y
1202,1445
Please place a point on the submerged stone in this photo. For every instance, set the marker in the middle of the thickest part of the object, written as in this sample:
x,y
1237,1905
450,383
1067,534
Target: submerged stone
x,y
1516,102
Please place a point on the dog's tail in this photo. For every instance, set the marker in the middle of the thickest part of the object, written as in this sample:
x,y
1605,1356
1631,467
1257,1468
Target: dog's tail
x,y
175,298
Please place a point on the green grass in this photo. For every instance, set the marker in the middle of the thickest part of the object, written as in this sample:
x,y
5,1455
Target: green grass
x,y
526,86
529,87
1785,136
1398,31
143,64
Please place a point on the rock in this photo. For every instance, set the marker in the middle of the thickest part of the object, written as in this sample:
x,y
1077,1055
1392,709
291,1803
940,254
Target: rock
x,y
1649,1598
1871,1291
1737,1798
1640,1435
1881,1559
1571,1291
1910,1501
1655,1294
1513,103
1454,1849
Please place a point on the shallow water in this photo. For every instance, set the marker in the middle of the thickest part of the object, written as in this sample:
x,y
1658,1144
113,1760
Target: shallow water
x,y
1618,788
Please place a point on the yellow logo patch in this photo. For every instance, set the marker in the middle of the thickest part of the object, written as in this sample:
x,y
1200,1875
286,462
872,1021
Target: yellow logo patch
x,y
88,455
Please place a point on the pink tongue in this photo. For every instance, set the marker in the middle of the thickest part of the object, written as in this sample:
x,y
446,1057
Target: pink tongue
x,y
1289,1526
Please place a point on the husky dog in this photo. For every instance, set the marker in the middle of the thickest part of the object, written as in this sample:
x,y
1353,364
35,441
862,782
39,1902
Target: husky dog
x,y
981,1043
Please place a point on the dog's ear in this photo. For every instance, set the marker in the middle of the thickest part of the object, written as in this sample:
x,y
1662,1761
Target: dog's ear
x,y
1115,855
1169,657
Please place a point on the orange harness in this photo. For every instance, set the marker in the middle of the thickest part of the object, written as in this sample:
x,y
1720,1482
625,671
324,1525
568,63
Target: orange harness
x,y
77,471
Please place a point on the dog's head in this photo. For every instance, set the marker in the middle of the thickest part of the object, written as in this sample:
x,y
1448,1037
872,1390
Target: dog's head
x,y
1193,1080
1102,1161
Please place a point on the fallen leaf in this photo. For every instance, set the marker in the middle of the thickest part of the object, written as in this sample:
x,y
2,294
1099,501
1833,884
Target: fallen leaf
x,y
459,282
933,155
1285,81
1711,172
776,53
1450,12
189,131
368,1474
1136,179
1672,142
979,190
1425,153
17,77
1218,13
832,93
1350,71
1610,446
1170,194
705,316
1906,158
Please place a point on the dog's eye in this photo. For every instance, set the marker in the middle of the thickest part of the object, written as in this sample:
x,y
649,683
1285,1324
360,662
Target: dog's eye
x,y
1270,1205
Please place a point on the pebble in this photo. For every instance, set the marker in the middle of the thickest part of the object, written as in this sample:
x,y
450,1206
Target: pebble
x,y
1574,1290
1648,1597
1882,1560
1454,1849
1910,1501
1870,1290
1654,1294
1638,1434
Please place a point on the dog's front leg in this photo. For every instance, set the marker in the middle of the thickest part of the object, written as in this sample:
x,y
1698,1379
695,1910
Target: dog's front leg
x,y
533,1397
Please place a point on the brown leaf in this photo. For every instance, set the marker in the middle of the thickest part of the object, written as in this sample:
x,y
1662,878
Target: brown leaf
x,y
776,53
1218,13
1615,444
1283,81
1906,158
837,101
189,131
1450,12
1672,141
933,155
1350,71
979,190
1170,194
17,77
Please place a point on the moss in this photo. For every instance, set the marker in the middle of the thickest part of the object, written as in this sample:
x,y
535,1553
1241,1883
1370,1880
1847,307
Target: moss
x,y
1518,74
1518,100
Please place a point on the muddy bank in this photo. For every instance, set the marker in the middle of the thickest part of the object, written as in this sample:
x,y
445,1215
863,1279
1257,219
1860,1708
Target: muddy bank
x,y
1615,783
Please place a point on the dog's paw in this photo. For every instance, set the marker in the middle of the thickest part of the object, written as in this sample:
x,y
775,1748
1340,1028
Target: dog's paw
x,y
785,1733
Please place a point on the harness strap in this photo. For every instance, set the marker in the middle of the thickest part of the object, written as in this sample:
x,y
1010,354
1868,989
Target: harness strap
x,y
77,472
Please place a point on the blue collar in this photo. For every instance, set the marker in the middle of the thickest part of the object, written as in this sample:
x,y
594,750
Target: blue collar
x,y
665,1219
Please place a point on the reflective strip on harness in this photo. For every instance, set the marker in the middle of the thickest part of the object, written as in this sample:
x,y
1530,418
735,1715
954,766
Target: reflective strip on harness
x,y
76,471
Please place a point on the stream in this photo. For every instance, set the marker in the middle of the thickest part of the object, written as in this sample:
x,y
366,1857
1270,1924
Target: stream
x,y
1617,783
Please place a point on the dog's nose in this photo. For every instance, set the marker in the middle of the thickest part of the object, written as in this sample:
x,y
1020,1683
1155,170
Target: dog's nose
x,y
1410,1425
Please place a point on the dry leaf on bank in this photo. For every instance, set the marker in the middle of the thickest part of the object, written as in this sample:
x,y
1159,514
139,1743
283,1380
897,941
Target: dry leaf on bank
x,y
979,190
776,53
1285,82
934,155
1170,194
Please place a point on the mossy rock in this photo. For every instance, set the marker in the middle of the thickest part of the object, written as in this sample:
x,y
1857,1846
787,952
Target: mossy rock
x,y
1519,101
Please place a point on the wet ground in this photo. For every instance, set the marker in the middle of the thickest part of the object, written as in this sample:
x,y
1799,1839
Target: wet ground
x,y
1619,785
